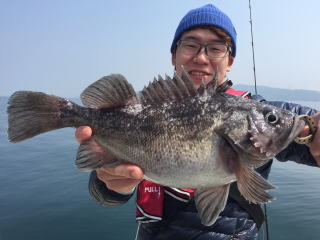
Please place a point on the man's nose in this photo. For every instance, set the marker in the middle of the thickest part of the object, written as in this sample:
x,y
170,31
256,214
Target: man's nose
x,y
201,56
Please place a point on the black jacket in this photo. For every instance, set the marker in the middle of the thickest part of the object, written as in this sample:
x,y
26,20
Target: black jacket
x,y
181,220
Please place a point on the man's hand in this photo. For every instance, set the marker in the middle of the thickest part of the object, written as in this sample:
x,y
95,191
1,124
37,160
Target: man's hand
x,y
122,178
314,146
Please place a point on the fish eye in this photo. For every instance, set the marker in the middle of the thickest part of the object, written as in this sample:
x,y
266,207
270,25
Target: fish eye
x,y
271,118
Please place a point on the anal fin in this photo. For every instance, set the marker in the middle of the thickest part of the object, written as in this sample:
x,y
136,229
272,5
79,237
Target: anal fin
x,y
91,156
210,202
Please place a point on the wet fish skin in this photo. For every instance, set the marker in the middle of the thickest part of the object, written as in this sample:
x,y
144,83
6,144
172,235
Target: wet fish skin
x,y
180,138
175,126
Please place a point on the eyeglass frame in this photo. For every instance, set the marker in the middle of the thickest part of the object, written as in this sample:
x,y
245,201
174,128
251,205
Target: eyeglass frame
x,y
228,48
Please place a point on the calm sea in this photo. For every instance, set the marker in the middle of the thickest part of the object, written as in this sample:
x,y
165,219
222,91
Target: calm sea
x,y
43,196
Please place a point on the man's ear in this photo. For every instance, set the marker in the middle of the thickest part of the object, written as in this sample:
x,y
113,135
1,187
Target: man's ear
x,y
173,58
231,60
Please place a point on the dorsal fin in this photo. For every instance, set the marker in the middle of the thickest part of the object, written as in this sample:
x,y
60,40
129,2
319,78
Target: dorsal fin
x,y
174,93
189,83
175,88
163,93
212,86
109,91
164,86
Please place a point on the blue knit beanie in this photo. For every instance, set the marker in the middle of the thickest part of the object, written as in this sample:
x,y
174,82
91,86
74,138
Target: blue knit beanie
x,y
206,15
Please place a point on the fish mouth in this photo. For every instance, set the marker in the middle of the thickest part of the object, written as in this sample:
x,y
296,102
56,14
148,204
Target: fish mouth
x,y
298,125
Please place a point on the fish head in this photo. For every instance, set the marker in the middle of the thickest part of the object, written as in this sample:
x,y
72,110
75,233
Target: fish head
x,y
265,132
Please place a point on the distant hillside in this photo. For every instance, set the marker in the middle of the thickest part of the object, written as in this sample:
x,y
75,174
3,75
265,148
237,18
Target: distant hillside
x,y
274,93
281,93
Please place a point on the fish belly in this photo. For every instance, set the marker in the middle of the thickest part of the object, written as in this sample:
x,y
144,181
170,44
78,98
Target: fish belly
x,y
179,157
200,166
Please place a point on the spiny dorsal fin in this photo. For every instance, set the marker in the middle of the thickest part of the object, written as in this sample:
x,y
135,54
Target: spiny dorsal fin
x,y
188,82
211,87
161,90
163,84
174,93
109,91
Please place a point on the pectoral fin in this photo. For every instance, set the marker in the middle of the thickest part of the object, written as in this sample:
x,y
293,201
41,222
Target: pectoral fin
x,y
252,186
91,156
210,202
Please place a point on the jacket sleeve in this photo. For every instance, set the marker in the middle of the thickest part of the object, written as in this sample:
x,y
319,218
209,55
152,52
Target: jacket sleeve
x,y
99,191
294,152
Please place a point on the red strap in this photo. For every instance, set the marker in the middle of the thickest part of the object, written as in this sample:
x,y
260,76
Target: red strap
x,y
244,94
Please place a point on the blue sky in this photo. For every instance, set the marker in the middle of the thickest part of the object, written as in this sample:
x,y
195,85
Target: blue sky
x,y
60,47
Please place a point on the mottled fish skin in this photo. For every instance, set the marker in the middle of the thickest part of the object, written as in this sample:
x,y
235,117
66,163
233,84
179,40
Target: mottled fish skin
x,y
179,136
172,141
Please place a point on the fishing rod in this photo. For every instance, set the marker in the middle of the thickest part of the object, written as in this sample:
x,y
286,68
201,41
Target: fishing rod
x,y
256,92
253,58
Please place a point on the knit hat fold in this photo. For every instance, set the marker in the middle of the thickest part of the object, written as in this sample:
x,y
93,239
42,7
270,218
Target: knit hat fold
x,y
206,15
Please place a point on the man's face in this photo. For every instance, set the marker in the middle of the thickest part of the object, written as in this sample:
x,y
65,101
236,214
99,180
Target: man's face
x,y
200,67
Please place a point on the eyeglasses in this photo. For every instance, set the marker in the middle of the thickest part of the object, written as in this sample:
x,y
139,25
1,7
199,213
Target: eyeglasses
x,y
212,50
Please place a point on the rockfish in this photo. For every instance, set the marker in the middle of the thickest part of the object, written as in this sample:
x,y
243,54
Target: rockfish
x,y
180,136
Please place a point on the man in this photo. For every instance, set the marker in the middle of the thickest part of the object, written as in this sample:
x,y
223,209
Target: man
x,y
205,41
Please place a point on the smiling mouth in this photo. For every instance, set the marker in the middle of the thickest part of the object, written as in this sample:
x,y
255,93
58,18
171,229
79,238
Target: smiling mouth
x,y
198,73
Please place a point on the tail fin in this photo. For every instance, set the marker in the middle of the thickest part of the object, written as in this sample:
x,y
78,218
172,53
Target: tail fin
x,y
32,113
